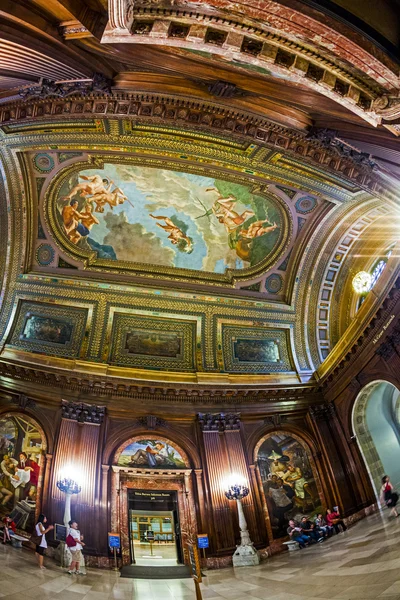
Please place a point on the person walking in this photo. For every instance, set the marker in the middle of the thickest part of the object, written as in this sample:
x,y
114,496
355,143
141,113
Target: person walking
x,y
388,496
41,530
75,544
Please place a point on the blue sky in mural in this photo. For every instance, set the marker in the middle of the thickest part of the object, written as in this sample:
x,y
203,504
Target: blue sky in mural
x,y
169,218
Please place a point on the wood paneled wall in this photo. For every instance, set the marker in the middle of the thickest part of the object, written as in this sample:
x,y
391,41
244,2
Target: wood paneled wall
x,y
78,445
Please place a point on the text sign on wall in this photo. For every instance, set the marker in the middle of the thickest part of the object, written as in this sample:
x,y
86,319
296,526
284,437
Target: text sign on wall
x,y
202,540
114,540
60,532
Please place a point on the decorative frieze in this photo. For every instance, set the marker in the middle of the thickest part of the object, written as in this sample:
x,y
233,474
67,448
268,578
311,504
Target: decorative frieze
x,y
41,101
98,84
83,413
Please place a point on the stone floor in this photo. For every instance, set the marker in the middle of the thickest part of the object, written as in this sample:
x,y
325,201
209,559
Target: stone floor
x,y
363,563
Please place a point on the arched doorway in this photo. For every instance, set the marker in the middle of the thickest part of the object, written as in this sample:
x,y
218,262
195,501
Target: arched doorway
x,y
289,480
153,504
375,421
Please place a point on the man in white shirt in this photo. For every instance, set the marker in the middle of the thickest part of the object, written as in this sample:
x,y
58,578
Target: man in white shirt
x,y
75,534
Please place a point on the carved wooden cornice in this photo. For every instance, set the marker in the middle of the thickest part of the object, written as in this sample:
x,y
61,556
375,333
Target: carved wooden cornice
x,y
354,78
197,115
177,393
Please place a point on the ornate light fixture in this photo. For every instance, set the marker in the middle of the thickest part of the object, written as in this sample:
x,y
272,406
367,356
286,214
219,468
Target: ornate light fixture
x,y
245,555
362,282
69,485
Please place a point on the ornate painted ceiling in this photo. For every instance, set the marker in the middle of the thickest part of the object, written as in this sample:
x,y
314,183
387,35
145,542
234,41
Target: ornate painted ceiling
x,y
186,195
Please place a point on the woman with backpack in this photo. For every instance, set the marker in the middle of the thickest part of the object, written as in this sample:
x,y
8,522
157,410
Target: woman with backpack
x,y
75,544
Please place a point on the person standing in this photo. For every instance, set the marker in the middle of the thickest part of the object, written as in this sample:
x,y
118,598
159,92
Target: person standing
x,y
333,519
389,496
75,545
41,530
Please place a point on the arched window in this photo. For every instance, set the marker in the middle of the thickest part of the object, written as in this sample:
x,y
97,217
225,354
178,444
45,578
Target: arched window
x,y
369,279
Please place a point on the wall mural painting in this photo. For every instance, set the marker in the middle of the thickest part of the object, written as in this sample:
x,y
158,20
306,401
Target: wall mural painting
x,y
153,343
168,218
288,482
152,453
47,330
247,350
21,446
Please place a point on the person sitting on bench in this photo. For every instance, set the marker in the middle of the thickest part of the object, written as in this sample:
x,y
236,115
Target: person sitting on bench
x,y
296,534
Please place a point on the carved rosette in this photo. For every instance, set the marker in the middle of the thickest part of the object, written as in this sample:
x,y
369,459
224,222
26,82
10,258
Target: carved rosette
x,y
151,422
322,412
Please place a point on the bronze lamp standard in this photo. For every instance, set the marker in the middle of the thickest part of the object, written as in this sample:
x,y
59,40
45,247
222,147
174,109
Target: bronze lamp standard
x,y
245,555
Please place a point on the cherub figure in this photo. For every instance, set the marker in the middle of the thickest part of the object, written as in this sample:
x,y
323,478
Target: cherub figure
x,y
113,198
90,186
257,229
176,235
245,237
223,210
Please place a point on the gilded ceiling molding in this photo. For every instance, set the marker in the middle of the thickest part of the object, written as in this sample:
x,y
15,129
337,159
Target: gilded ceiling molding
x,y
366,333
365,253
15,231
169,111
268,38
306,291
331,293
162,389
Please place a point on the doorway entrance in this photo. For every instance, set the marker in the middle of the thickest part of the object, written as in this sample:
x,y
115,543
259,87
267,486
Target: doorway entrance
x,y
376,424
154,528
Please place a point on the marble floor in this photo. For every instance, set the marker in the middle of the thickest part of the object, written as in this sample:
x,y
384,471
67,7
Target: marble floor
x,y
363,563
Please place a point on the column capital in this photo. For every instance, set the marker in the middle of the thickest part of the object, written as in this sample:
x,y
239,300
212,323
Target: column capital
x,y
219,422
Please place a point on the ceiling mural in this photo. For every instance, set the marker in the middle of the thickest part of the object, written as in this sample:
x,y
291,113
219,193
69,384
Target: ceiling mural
x,y
153,216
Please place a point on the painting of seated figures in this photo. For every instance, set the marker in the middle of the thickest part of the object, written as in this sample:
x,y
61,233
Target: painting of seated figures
x,y
288,481
21,448
151,453
168,218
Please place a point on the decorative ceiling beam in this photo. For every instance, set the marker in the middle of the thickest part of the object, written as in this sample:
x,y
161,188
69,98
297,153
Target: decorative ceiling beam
x,y
253,44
